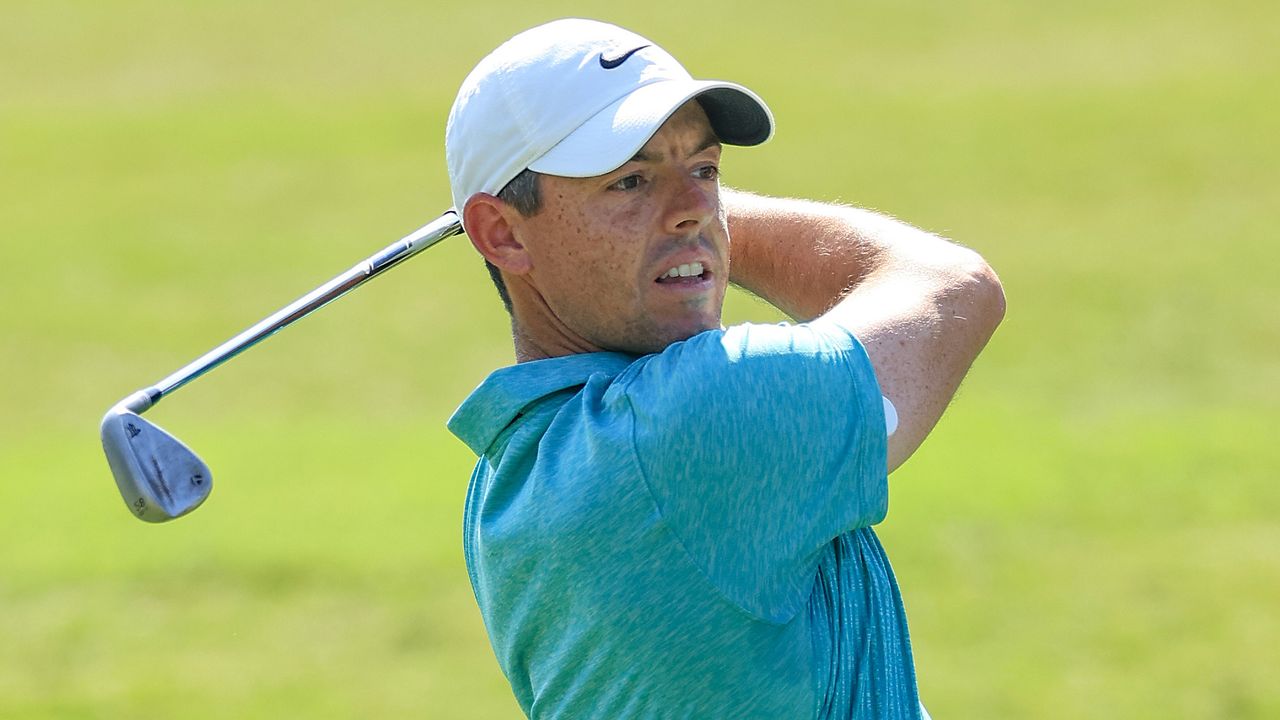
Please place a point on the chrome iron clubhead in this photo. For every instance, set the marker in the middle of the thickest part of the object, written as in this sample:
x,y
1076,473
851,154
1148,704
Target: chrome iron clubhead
x,y
159,477
162,479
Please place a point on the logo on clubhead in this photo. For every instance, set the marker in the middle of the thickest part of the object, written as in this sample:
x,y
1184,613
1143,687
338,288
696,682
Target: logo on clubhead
x,y
134,430
197,479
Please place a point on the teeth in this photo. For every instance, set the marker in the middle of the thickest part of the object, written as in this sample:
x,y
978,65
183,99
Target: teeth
x,y
686,270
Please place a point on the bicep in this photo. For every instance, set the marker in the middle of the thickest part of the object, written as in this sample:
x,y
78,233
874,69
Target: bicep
x,y
922,328
922,307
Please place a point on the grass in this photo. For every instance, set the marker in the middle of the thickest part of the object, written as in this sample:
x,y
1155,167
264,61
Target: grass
x,y
1089,532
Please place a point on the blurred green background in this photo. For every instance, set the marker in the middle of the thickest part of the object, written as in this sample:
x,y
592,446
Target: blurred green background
x,y
1091,531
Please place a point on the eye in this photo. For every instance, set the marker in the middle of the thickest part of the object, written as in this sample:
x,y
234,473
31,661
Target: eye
x,y
707,172
630,182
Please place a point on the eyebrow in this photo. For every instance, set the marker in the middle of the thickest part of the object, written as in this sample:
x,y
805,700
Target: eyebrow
x,y
711,140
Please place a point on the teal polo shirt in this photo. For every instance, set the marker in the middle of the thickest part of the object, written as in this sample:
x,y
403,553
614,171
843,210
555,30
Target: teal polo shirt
x,y
688,534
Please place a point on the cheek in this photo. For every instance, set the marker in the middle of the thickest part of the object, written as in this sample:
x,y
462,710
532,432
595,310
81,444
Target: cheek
x,y
596,254
618,246
603,274
575,269
588,260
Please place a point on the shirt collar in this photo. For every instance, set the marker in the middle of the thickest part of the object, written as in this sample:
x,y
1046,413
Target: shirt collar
x,y
495,403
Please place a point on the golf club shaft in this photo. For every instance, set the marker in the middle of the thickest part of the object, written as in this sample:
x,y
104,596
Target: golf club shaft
x,y
415,242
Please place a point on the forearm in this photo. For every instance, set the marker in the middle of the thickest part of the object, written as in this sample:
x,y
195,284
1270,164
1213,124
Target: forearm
x,y
804,257
921,306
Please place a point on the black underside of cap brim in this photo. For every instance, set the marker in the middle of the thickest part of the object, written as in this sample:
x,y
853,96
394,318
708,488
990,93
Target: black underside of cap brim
x,y
736,117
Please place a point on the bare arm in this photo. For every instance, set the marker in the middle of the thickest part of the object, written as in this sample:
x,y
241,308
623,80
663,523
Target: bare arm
x,y
921,306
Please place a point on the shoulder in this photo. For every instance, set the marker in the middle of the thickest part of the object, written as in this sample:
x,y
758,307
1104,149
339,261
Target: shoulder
x,y
751,393
759,444
768,362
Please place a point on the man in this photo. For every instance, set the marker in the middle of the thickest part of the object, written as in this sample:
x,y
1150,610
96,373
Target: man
x,y
670,519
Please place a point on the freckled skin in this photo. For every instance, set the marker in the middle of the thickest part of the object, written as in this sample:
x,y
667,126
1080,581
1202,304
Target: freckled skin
x,y
597,245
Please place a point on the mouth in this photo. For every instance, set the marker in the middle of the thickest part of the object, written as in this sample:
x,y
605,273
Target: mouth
x,y
685,275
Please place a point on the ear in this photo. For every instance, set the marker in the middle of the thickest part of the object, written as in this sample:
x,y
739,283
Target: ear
x,y
490,223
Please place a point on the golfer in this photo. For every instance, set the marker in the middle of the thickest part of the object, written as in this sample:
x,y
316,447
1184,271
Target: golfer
x,y
672,519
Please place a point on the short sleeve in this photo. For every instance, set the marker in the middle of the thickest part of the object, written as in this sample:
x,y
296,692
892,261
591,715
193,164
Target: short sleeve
x,y
761,444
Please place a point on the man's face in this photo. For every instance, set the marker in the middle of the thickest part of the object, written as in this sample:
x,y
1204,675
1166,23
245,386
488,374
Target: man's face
x,y
601,248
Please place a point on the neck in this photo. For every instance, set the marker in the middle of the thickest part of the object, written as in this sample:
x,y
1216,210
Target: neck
x,y
538,334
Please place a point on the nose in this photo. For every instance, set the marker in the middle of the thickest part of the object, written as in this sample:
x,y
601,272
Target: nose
x,y
691,206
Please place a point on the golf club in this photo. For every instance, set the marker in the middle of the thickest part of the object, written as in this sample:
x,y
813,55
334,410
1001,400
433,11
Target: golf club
x,y
159,477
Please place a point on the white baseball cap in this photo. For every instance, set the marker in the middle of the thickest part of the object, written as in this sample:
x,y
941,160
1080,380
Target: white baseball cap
x,y
578,98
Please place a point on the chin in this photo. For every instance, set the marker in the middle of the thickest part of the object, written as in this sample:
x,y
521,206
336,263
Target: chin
x,y
650,336
685,332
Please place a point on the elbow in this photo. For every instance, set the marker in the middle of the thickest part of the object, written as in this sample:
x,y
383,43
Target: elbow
x,y
983,294
992,291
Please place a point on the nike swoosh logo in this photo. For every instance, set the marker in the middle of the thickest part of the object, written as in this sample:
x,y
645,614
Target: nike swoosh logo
x,y
613,62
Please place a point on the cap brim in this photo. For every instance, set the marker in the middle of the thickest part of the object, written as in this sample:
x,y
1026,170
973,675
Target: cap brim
x,y
615,134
